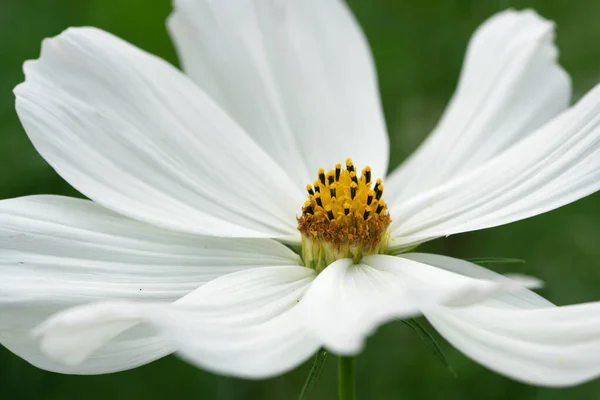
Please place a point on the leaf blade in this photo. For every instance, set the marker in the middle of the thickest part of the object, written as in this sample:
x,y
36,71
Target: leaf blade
x,y
315,373
428,339
495,260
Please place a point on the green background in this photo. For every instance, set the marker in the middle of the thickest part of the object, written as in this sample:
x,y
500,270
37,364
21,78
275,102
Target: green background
x,y
418,47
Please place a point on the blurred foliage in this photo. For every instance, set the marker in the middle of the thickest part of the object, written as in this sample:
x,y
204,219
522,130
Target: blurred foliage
x,y
418,47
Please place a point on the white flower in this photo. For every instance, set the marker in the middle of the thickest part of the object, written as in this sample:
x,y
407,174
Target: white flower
x,y
196,181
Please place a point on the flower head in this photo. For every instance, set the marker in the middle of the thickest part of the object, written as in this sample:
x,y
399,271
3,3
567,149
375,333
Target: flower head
x,y
198,188
345,216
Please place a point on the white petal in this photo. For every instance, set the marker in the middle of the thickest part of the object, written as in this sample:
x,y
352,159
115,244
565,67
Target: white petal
x,y
556,165
520,334
297,74
347,301
134,134
520,297
60,252
553,346
243,324
510,85
118,355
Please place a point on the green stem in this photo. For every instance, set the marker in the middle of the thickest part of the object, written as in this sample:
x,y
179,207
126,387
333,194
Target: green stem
x,y
346,378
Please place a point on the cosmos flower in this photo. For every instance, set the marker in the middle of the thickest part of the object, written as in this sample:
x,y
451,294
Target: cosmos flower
x,y
201,235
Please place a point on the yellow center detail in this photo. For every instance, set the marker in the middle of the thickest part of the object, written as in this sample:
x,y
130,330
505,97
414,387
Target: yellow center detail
x,y
345,216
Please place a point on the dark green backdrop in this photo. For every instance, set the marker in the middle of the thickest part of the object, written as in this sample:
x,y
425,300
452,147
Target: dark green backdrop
x,y
418,47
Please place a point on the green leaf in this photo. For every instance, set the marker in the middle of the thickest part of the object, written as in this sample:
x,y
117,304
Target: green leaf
x,y
430,341
314,374
495,260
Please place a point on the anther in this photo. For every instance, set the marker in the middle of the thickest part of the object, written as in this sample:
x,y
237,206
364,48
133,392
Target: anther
x,y
346,209
353,187
308,207
322,175
318,199
317,187
329,212
349,165
377,184
353,177
367,174
332,190
379,192
370,198
309,189
367,212
338,171
380,207
330,179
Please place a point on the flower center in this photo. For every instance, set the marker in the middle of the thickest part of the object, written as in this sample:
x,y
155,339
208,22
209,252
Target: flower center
x,y
345,216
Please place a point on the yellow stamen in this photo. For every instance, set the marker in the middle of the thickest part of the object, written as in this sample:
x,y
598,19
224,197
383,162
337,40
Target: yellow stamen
x,y
343,216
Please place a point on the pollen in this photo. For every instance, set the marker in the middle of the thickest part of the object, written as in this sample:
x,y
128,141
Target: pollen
x,y
344,216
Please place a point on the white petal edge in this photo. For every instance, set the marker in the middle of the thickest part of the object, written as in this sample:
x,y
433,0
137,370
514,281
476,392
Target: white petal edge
x,y
556,165
522,298
133,133
297,75
348,301
120,354
59,252
243,324
510,85
555,346
520,334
